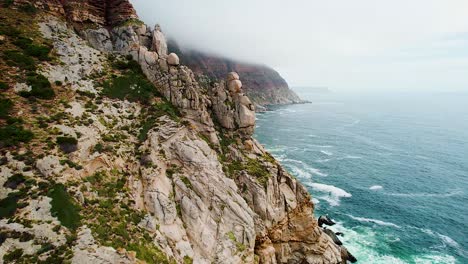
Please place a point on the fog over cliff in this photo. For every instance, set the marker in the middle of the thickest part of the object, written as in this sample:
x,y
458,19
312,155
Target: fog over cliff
x,y
344,45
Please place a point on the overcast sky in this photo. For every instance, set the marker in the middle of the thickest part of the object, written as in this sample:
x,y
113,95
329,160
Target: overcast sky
x,y
343,45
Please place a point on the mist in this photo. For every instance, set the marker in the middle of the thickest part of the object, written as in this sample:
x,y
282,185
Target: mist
x,y
344,45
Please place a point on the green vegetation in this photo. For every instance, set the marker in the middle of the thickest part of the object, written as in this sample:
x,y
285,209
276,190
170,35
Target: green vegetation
x,y
67,140
5,107
18,59
114,223
152,113
13,181
13,134
131,87
7,3
188,260
131,22
40,85
3,86
63,207
39,51
71,164
13,255
28,8
232,237
255,168
67,144
186,181
9,205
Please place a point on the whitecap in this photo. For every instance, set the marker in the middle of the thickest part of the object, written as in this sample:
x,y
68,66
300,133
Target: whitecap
x,y
320,146
374,221
305,169
352,157
316,171
450,194
376,187
448,241
328,153
334,193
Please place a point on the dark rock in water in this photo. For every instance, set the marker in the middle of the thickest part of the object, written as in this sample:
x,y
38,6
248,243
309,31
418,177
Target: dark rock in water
x,y
339,234
346,256
324,219
333,236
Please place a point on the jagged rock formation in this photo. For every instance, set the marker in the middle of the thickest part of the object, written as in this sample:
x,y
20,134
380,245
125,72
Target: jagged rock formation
x,y
162,170
262,84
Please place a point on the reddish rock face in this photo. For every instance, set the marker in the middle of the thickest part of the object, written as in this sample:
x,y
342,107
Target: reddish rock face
x,y
104,12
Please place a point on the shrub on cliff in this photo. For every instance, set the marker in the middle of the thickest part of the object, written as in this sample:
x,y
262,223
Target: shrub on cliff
x,y
17,59
131,87
39,51
64,207
40,85
5,107
67,144
13,134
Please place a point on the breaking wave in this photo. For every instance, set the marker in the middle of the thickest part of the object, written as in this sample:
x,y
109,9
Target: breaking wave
x,y
333,194
374,221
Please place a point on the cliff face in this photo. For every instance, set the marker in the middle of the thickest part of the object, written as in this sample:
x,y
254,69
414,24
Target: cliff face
x,y
113,152
262,84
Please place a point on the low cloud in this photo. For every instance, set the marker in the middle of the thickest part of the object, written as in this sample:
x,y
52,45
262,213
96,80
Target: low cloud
x,y
348,45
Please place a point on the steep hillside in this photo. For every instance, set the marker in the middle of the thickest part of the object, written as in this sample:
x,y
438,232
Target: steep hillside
x,y
262,84
113,152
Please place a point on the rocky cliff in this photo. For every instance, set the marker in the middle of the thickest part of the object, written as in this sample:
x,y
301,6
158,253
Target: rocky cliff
x,y
113,152
262,84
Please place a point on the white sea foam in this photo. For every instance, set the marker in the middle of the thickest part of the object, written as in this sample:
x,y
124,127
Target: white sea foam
x,y
333,194
374,221
323,160
450,194
316,171
352,157
364,244
320,146
305,173
328,153
305,170
338,159
446,240
375,187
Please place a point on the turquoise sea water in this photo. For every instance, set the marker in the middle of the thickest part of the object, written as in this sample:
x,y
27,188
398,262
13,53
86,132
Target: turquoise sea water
x,y
392,170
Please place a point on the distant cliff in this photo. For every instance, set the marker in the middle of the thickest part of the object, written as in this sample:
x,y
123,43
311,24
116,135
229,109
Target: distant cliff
x,y
262,84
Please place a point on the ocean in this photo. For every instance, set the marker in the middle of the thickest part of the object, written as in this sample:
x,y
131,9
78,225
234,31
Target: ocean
x,y
390,169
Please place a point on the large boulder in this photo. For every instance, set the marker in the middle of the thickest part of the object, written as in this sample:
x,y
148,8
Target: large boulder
x,y
235,86
232,76
99,39
159,42
173,59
